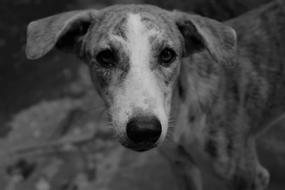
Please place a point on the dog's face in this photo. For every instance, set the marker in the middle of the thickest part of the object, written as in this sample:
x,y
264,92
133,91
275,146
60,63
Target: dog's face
x,y
134,64
134,54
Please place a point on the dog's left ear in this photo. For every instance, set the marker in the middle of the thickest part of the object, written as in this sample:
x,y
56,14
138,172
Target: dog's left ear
x,y
201,32
62,30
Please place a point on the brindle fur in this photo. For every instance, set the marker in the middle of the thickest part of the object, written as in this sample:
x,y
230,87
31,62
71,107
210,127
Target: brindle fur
x,y
220,105
249,99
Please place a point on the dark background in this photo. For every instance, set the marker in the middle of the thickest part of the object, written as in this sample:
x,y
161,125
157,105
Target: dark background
x,y
49,112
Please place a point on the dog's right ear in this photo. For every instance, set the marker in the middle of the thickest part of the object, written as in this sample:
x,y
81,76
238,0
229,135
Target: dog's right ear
x,y
204,33
63,30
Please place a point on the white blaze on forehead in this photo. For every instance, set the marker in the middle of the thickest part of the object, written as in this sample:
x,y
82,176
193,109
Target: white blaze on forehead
x,y
141,79
138,38
141,87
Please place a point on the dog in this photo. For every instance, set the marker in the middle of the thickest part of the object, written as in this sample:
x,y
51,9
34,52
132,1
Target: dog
x,y
200,90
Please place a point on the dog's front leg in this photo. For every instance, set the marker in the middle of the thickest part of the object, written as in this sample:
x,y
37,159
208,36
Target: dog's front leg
x,y
250,174
187,174
184,169
240,170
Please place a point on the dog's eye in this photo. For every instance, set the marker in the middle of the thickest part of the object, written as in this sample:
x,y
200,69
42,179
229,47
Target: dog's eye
x,y
106,58
166,57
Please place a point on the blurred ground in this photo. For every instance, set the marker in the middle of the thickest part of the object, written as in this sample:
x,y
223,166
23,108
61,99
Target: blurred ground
x,y
50,114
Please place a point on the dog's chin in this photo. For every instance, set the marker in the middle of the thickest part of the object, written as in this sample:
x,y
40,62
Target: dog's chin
x,y
141,147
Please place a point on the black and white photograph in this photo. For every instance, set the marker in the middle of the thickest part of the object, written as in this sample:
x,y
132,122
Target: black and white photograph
x,y
142,95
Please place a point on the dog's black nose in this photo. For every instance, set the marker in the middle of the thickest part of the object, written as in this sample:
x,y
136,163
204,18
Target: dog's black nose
x,y
144,129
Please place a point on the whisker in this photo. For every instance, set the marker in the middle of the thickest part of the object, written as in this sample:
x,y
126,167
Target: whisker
x,y
95,108
168,137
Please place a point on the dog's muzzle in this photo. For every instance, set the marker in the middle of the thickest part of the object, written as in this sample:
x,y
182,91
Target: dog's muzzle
x,y
143,132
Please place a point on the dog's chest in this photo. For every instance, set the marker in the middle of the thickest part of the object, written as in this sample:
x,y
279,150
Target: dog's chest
x,y
190,132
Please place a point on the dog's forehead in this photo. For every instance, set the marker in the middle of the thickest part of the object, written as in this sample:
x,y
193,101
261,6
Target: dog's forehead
x,y
116,13
115,20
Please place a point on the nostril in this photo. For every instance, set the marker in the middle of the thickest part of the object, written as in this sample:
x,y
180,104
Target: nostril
x,y
144,129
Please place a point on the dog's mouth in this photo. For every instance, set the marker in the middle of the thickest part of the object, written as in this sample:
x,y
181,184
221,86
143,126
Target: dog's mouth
x,y
139,147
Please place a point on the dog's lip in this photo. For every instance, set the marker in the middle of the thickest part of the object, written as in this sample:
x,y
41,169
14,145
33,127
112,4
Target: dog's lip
x,y
138,147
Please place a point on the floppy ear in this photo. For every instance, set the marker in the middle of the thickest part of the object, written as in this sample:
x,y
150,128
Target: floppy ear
x,y
204,33
62,30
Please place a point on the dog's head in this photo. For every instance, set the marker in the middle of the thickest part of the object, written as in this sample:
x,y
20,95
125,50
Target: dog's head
x,y
134,53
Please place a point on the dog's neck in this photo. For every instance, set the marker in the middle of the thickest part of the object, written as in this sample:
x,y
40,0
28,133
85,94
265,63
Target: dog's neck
x,y
192,118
